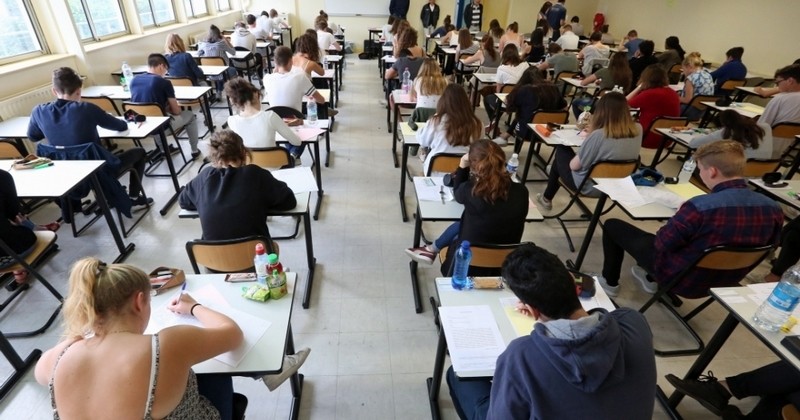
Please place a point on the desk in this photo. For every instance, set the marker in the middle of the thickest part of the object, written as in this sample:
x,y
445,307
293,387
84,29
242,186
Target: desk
x,y
399,99
330,78
266,356
409,137
337,61
58,180
779,194
740,306
744,91
239,54
682,138
375,33
569,136
743,108
485,78
310,135
449,211
491,298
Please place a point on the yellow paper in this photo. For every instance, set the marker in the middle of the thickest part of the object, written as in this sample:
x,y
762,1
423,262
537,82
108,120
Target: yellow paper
x,y
685,191
523,325
407,131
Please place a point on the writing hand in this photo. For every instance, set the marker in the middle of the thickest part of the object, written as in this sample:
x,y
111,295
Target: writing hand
x,y
521,308
181,304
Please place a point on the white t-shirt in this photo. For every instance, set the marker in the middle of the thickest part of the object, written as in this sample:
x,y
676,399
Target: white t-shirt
x,y
434,137
260,33
266,24
425,101
509,75
568,41
325,40
288,89
259,130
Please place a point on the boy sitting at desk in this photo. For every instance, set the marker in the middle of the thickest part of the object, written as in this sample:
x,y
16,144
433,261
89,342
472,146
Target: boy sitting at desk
x,y
70,122
574,365
785,105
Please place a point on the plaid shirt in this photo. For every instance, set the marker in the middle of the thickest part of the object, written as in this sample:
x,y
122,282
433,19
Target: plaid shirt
x,y
730,215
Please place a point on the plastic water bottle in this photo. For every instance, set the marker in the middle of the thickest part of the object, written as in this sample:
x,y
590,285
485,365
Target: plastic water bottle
x,y
775,311
618,89
512,165
311,109
687,171
127,74
406,81
461,267
260,261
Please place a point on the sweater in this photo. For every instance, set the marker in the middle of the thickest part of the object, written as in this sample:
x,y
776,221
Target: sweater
x,y
182,64
653,103
70,123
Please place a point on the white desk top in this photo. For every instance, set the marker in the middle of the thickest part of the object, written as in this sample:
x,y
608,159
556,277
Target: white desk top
x,y
658,211
333,58
401,98
750,90
239,54
787,195
683,137
182,93
213,70
577,83
329,74
389,59
267,354
326,94
17,127
743,108
52,181
567,136
485,77
677,87
409,136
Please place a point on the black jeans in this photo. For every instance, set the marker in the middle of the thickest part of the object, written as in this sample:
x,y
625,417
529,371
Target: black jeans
x,y
560,169
777,384
620,237
790,247
135,159
491,103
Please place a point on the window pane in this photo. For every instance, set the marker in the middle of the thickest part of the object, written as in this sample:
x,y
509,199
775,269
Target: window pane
x,y
195,7
145,15
164,11
76,8
223,5
106,16
16,30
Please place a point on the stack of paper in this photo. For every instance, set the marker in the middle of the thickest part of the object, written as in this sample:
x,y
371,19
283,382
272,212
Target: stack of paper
x,y
621,190
432,189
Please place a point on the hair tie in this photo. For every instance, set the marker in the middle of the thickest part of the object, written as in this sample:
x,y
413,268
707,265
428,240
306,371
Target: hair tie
x,y
101,267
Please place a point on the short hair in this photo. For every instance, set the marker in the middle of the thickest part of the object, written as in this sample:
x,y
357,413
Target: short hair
x,y
595,36
154,60
264,13
250,19
725,155
539,279
792,71
735,53
633,32
647,47
654,76
567,27
225,146
554,48
604,29
283,56
239,24
66,81
575,19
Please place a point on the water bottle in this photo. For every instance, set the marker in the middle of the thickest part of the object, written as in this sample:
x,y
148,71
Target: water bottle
x,y
687,171
406,81
127,74
260,261
618,89
775,311
512,165
311,109
461,267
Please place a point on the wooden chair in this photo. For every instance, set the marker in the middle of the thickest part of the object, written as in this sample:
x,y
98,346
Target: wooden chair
x,y
271,157
565,75
720,258
104,102
756,168
664,122
790,412
790,158
229,255
729,87
444,163
9,150
539,117
212,61
697,103
461,70
185,81
246,66
152,109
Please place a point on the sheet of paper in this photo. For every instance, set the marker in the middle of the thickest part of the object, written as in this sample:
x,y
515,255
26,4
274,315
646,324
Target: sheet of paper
x,y
621,190
661,196
408,132
472,336
431,189
734,299
299,179
523,324
445,285
685,190
568,136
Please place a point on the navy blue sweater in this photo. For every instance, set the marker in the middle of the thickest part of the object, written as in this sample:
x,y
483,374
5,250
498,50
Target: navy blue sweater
x,y
183,65
70,123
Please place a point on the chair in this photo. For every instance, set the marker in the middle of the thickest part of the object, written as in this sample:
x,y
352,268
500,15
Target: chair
x,y
151,109
444,163
663,122
275,158
213,61
790,412
697,103
104,102
9,150
729,87
790,157
597,64
289,112
462,70
539,117
756,168
500,110
718,258
185,81
601,169
247,65
229,255
565,75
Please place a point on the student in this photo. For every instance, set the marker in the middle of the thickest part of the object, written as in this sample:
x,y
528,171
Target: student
x,y
535,51
257,128
785,105
496,31
306,57
508,73
512,37
673,53
405,61
574,365
618,73
545,27
266,24
594,50
559,60
631,43
386,35
566,40
532,93
398,26
453,128
556,18
770,91
442,30
494,207
465,47
731,69
242,38
451,37
613,135
429,85
181,63
215,45
152,87
287,88
731,214
697,81
429,15
332,27
16,236
258,32
642,59
755,136
69,122
606,38
577,28
473,16
407,40
325,39
233,191
278,23
654,98
487,56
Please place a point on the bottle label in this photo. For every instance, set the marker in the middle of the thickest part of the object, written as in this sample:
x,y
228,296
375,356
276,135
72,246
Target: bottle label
x,y
781,300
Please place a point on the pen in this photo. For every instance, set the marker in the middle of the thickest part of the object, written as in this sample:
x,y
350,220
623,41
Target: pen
x,y
183,288
44,165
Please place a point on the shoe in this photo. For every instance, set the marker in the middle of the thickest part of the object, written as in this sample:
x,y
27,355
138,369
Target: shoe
x,y
195,154
332,113
173,149
290,365
640,274
545,203
421,254
20,281
141,201
705,389
611,291
500,141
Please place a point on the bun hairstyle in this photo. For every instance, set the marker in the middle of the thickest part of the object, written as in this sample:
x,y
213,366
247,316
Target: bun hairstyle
x,y
487,164
98,292
226,148
241,92
693,59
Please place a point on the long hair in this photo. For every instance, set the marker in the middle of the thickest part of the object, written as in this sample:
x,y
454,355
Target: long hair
x,y
537,38
542,23
510,55
431,80
226,147
621,71
487,161
461,126
307,44
545,7
407,39
529,77
740,128
241,92
495,30
464,39
97,292
673,43
613,115
513,27
214,34
487,44
174,44
654,76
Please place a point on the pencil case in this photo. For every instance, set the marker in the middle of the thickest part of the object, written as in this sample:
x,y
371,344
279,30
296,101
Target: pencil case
x,y
164,278
31,161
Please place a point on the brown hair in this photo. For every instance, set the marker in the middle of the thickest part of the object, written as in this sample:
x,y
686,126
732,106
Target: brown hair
x,y
462,126
307,44
654,76
612,114
510,55
407,39
487,44
398,26
241,92
283,56
487,165
725,155
464,39
174,44
621,71
66,80
514,26
225,148
740,128
495,30
431,80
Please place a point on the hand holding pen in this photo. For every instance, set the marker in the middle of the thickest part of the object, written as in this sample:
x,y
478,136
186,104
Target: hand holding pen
x,y
182,303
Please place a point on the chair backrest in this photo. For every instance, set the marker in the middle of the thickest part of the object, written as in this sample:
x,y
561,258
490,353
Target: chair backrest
x,y
566,75
507,88
8,150
485,255
790,412
697,102
753,81
271,157
286,112
613,168
756,168
227,256
104,102
212,61
726,258
732,84
180,81
666,122
150,109
555,117
444,163
786,130
675,73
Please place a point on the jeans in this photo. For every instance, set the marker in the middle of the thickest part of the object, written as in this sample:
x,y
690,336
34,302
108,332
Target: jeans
x,y
620,237
186,119
491,103
470,397
777,384
447,237
790,248
560,169
691,113
135,159
218,389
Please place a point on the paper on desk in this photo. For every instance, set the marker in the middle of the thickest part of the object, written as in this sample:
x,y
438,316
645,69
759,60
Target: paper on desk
x,y
685,190
568,136
523,324
298,179
621,190
472,337
407,131
661,196
432,192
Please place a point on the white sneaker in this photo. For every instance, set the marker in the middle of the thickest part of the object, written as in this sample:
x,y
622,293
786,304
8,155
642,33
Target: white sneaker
x,y
500,141
290,365
611,291
545,203
640,275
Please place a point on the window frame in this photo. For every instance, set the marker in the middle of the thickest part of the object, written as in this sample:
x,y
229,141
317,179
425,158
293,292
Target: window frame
x,y
220,9
156,24
37,31
90,21
190,10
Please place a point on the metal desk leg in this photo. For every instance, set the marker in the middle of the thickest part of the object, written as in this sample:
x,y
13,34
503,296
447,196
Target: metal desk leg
x,y
435,382
173,174
327,146
20,366
318,173
475,92
413,265
295,380
124,250
403,172
205,106
394,133
601,202
660,150
312,260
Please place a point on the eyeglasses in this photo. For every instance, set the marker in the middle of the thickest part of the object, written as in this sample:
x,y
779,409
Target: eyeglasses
x,y
779,81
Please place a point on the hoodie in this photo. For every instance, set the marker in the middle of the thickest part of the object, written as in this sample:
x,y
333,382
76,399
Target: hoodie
x,y
598,367
242,37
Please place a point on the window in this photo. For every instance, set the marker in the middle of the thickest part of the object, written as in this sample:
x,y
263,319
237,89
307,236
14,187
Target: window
x,y
223,5
20,33
155,12
97,19
195,8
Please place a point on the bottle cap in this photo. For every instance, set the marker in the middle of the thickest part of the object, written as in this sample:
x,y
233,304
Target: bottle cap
x,y
272,258
465,244
260,249
514,155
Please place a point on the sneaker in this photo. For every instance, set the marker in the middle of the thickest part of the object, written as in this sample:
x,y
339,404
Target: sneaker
x,y
640,275
332,113
705,389
290,365
421,254
195,154
545,203
611,291
141,201
500,141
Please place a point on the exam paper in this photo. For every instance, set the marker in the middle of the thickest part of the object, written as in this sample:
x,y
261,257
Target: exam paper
x,y
431,189
568,136
472,337
621,190
523,324
298,179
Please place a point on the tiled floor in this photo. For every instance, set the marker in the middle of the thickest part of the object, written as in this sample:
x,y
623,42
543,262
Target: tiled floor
x,y
371,352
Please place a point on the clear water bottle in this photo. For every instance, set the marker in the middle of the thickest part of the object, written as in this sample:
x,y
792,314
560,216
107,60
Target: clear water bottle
x,y
406,81
775,311
461,267
311,109
512,165
127,74
261,261
687,171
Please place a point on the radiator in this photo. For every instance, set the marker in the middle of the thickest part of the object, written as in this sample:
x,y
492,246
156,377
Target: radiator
x,y
21,105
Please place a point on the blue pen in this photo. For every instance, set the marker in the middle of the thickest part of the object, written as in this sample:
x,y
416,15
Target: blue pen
x,y
183,288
